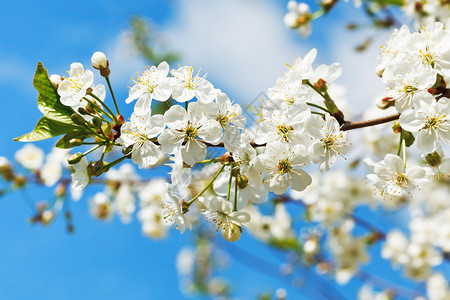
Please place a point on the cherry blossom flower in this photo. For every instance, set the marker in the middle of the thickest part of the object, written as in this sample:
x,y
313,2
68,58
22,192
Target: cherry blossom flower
x,y
185,129
328,140
188,86
75,87
281,167
138,133
153,84
391,178
80,178
429,119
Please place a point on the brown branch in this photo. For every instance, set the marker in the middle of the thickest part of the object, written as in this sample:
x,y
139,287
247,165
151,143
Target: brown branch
x,y
355,125
347,126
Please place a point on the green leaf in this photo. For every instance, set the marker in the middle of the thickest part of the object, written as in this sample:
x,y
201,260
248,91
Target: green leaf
x,y
64,142
46,128
48,98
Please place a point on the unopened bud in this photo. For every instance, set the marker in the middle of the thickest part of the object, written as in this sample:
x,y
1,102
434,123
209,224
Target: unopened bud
x,y
433,159
97,122
242,181
75,142
385,103
55,80
47,216
127,151
82,111
96,168
77,119
20,181
106,127
100,62
232,232
75,158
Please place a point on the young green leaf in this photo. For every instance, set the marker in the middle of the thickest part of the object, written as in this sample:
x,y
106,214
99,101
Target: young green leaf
x,y
48,98
46,128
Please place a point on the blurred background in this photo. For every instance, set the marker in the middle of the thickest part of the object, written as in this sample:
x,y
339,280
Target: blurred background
x,y
242,44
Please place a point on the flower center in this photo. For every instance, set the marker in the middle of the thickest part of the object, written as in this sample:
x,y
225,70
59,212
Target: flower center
x,y
284,131
190,132
284,166
223,120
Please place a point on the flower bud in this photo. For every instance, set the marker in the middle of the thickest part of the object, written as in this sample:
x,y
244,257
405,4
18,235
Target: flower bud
x,y
82,111
75,142
55,80
75,158
20,181
385,103
242,181
127,151
97,122
106,128
77,119
232,232
433,159
100,62
47,216
96,168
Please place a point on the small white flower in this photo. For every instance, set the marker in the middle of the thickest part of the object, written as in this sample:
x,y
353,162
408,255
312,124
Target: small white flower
x,y
185,129
30,156
153,84
173,211
220,211
392,179
229,116
404,81
281,167
100,206
328,140
430,119
138,133
74,88
284,125
80,178
188,86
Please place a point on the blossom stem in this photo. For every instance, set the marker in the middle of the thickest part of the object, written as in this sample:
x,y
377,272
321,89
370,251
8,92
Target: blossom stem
x,y
235,195
404,153
106,106
112,94
100,109
229,186
318,106
91,150
400,143
317,113
206,187
113,163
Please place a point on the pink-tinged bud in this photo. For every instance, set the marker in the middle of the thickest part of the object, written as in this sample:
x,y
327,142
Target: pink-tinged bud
x,y
385,103
55,80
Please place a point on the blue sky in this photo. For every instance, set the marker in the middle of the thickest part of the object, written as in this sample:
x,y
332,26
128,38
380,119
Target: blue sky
x,y
242,44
